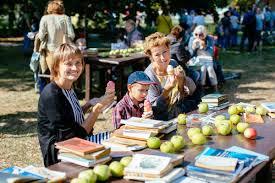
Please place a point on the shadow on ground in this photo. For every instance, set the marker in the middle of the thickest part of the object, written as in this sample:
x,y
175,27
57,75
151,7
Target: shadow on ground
x,y
19,123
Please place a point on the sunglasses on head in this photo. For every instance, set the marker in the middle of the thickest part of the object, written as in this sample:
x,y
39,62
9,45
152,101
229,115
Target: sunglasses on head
x,y
200,35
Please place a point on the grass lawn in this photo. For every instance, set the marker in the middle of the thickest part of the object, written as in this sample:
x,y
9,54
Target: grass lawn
x,y
18,137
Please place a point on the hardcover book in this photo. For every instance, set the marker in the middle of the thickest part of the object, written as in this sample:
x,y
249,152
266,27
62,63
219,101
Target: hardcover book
x,y
176,159
141,122
67,157
269,106
214,97
169,177
148,166
217,163
247,161
94,155
79,146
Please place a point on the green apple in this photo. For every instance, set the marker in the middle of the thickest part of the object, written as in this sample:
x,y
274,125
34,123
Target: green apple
x,y
203,107
233,110
79,180
240,109
117,169
224,129
261,111
193,131
126,160
207,130
178,142
167,147
198,139
103,172
242,126
218,119
235,119
153,142
250,109
182,119
89,175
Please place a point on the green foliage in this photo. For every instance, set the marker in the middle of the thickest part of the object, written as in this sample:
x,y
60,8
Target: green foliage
x,y
243,4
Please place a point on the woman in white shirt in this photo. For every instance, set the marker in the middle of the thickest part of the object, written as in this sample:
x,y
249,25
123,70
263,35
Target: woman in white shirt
x,y
55,28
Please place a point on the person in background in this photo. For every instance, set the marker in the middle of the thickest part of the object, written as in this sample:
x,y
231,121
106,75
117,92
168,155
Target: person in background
x,y
164,22
54,28
202,45
226,27
133,34
198,20
134,101
173,93
235,27
259,29
175,38
60,116
248,28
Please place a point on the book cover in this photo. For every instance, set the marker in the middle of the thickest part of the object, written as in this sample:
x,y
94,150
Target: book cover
x,y
214,97
269,106
81,161
141,122
12,178
21,172
150,166
169,177
138,134
260,157
217,163
246,160
176,159
79,146
119,133
211,175
128,141
94,155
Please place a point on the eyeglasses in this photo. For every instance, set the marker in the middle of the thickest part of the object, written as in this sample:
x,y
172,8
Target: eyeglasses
x,y
200,35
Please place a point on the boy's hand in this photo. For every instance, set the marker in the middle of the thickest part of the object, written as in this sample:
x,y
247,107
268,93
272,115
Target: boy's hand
x,y
147,115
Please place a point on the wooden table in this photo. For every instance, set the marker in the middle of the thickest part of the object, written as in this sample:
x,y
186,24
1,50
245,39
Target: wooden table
x,y
115,68
264,144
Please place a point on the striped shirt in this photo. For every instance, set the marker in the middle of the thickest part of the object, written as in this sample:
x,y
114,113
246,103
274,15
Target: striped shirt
x,y
79,116
71,97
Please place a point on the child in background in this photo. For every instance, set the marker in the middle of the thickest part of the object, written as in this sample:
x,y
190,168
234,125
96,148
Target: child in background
x,y
134,103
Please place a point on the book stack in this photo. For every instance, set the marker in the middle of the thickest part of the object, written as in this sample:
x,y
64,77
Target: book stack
x,y
217,165
216,101
82,152
135,132
145,167
270,107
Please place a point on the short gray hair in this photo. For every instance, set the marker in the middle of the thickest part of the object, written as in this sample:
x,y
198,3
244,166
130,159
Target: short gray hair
x,y
200,29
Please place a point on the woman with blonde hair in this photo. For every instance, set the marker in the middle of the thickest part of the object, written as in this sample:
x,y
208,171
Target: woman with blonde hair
x,y
60,115
174,92
55,28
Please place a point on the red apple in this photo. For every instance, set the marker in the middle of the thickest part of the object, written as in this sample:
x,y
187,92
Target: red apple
x,y
250,133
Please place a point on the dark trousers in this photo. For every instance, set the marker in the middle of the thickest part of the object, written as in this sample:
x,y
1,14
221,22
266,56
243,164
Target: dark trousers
x,y
248,33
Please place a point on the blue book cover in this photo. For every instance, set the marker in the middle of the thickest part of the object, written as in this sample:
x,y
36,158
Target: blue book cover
x,y
21,172
247,159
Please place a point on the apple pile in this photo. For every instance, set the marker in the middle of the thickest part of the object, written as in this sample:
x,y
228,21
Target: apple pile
x,y
103,172
175,144
196,135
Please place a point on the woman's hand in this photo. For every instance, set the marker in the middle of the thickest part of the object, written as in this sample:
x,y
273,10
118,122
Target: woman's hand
x,y
104,101
93,101
196,44
170,83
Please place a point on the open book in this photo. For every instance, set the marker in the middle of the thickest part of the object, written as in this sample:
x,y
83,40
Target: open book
x,y
148,166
